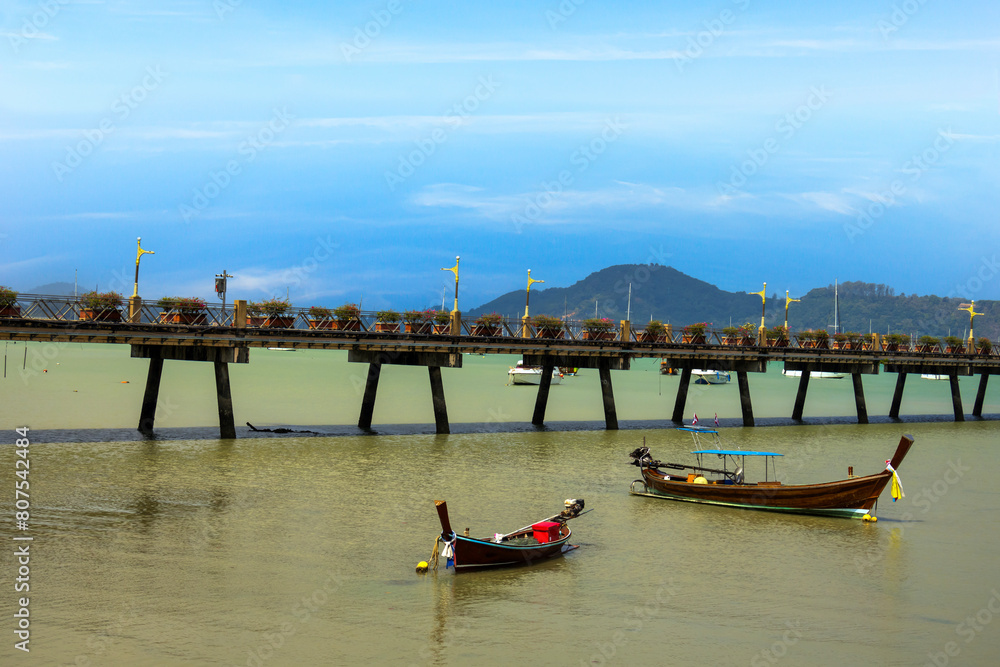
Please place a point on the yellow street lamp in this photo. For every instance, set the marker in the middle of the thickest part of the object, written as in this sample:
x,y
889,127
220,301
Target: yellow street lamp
x,y
788,301
138,255
971,307
527,294
763,299
455,271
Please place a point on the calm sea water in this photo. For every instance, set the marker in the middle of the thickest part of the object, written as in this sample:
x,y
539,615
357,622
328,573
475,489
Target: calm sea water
x,y
293,550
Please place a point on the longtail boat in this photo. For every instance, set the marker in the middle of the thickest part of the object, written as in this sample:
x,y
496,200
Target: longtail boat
x,y
537,541
853,497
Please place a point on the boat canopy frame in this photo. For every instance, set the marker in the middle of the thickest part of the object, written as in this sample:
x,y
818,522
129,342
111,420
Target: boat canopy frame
x,y
734,457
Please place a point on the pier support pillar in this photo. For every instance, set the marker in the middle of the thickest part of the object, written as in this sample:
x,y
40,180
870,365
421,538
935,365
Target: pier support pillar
x,y
437,395
682,394
148,412
800,396
977,409
897,396
542,399
859,398
745,404
610,414
371,389
227,427
956,397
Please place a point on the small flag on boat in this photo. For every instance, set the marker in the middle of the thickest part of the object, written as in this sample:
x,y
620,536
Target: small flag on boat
x,y
694,422
896,491
716,418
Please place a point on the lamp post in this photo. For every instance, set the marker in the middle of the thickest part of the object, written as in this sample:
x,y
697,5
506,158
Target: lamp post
x,y
454,270
971,307
138,255
763,298
527,294
135,303
221,285
788,301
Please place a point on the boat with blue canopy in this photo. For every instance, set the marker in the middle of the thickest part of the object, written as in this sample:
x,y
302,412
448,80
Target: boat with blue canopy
x,y
726,485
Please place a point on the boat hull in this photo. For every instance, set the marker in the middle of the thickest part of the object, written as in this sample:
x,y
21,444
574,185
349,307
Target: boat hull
x,y
518,376
476,554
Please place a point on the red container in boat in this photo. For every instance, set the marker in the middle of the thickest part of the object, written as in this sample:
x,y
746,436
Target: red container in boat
x,y
546,531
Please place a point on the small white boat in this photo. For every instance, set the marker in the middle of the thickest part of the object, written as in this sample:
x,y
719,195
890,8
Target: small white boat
x,y
521,374
282,349
932,376
822,375
702,376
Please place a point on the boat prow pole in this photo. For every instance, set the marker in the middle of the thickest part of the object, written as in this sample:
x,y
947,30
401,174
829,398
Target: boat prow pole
x,y
442,508
904,446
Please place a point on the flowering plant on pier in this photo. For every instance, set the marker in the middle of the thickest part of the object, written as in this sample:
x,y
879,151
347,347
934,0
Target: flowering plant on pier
x,y
349,311
489,319
320,313
953,344
181,304
598,324
98,301
269,307
984,345
8,297
417,316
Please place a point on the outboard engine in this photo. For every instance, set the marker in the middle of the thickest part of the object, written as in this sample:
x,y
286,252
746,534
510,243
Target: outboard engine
x,y
640,457
573,507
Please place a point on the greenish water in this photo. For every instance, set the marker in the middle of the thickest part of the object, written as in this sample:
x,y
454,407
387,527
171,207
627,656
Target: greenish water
x,y
300,550
100,387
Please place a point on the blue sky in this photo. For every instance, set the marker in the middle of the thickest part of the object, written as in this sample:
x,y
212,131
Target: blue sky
x,y
347,151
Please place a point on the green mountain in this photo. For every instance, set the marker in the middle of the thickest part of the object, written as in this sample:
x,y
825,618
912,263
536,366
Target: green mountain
x,y
664,293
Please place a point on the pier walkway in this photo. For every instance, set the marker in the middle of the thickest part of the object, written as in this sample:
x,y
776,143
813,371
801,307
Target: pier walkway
x,y
224,335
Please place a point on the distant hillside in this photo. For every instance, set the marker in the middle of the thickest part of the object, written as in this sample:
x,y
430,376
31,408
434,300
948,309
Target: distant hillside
x,y
53,289
666,294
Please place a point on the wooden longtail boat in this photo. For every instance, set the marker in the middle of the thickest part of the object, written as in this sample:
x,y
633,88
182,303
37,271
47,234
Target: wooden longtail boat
x,y
543,539
853,497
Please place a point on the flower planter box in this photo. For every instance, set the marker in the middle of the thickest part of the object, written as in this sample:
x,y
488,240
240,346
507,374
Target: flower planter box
x,y
113,315
927,348
747,341
321,324
387,327
730,340
420,327
985,351
183,318
694,339
958,349
777,342
485,330
270,321
345,325
550,333
444,329
10,311
598,335
646,337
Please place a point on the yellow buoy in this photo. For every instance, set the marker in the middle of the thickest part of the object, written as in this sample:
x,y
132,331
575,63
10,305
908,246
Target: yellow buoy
x,y
874,519
421,567
866,517
700,480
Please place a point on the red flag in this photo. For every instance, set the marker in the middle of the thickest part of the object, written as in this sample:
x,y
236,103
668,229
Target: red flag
x,y
694,422
716,418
